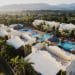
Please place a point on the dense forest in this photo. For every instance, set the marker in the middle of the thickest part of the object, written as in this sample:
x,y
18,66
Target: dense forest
x,y
27,17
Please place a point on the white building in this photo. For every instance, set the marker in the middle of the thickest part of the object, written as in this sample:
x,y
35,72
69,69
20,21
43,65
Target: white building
x,y
37,22
50,62
46,24
52,24
65,26
60,53
44,63
16,42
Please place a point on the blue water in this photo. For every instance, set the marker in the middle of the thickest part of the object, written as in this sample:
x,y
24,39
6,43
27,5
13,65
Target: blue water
x,y
42,37
26,30
69,46
35,34
46,36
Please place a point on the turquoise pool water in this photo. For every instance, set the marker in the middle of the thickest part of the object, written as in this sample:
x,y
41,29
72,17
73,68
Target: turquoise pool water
x,y
35,34
42,37
46,36
69,46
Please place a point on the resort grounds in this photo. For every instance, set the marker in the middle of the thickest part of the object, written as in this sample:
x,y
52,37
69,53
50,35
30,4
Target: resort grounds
x,y
46,48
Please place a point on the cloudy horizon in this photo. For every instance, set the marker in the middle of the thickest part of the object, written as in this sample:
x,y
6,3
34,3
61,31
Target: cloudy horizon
x,y
51,2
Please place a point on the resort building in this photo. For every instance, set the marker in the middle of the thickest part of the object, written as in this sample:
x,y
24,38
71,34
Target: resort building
x,y
44,63
65,26
52,24
46,24
60,53
37,22
49,60
16,42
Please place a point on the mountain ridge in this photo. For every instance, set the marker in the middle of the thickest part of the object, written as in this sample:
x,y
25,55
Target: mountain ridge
x,y
37,6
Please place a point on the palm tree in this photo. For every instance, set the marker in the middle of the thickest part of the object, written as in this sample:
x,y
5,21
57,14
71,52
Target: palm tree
x,y
22,67
17,64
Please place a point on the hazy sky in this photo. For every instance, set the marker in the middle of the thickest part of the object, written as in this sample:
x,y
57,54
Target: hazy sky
x,y
53,2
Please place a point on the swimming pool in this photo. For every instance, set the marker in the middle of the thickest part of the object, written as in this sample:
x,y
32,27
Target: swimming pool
x,y
46,36
69,46
25,30
42,37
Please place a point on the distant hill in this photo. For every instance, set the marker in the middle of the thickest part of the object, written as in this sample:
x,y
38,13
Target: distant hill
x,y
38,6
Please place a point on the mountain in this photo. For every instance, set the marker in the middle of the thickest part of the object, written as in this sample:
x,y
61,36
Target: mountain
x,y
65,7
38,6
